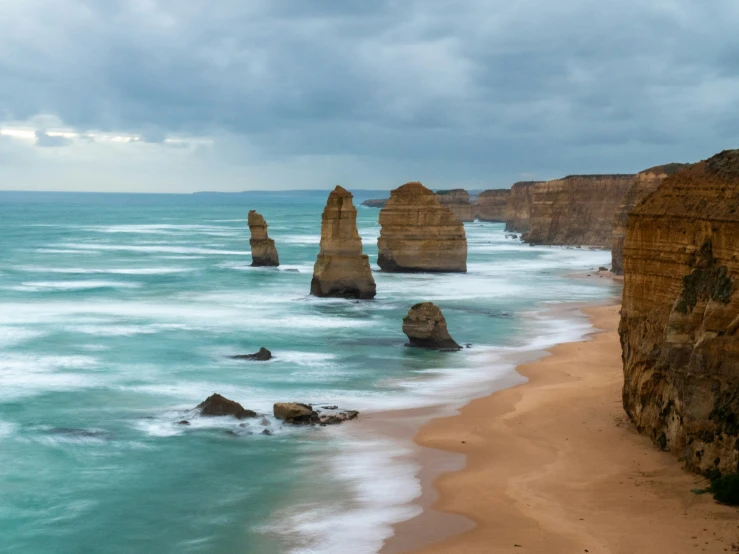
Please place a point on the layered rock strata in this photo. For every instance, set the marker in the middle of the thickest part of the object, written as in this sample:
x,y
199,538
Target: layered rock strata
x,y
644,184
518,210
425,327
419,234
458,201
492,205
341,270
576,210
263,251
680,315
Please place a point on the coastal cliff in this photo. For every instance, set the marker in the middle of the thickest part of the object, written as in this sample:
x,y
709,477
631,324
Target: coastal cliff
x,y
576,210
644,184
417,233
263,251
458,201
518,210
680,314
492,205
341,270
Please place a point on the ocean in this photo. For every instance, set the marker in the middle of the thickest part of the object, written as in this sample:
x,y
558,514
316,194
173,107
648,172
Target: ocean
x,y
117,316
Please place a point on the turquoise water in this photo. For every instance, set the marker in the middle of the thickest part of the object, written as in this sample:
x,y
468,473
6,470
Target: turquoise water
x,y
117,314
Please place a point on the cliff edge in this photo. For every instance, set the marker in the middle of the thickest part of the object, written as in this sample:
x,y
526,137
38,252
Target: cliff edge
x,y
680,314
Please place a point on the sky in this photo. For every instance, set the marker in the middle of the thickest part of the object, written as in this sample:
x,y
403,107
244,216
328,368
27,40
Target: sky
x,y
231,95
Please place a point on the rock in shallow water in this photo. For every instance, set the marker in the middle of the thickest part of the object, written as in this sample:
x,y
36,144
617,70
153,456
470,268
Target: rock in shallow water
x,y
216,405
425,327
295,412
262,356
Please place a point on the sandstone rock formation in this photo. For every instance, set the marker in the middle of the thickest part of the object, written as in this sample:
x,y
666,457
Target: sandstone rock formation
x,y
297,413
492,205
375,203
262,356
263,251
576,210
644,184
341,269
426,327
518,211
680,315
458,201
419,234
217,405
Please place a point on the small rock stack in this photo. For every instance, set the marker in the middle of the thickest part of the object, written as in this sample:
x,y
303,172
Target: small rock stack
x,y
263,251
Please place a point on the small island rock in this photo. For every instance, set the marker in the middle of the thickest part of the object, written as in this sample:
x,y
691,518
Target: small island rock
x,y
216,405
262,356
426,328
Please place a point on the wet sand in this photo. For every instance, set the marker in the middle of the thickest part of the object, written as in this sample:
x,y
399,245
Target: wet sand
x,y
554,466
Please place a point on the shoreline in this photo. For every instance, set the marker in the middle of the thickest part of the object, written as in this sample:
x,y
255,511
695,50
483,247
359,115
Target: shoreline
x,y
553,465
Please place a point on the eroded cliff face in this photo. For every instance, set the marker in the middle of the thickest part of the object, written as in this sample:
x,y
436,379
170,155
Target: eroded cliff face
x,y
341,270
576,210
644,184
263,251
458,201
680,314
518,211
492,205
419,234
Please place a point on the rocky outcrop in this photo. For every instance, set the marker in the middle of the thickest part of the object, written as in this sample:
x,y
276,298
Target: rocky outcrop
x,y
297,413
217,405
262,356
341,269
419,234
577,210
263,251
680,315
375,203
644,184
492,205
458,201
425,327
518,211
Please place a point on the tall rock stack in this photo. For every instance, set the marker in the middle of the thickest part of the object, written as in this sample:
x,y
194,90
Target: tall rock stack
x,y
680,314
577,210
263,251
518,211
492,205
458,201
419,234
341,269
644,184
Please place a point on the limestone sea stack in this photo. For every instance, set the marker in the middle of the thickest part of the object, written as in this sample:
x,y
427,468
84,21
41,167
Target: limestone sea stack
x,y
263,251
341,270
492,205
577,210
518,210
458,201
425,327
680,314
644,184
417,233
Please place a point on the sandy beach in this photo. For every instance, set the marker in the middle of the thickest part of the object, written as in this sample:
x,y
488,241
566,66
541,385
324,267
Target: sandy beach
x,y
554,465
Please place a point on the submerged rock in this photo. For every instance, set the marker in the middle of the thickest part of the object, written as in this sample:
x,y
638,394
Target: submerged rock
x,y
341,270
262,356
297,413
263,251
419,234
216,405
426,327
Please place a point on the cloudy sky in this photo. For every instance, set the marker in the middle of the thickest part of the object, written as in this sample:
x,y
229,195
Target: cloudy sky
x,y
186,95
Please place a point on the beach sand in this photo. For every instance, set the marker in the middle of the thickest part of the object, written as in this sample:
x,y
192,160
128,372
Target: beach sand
x,y
554,466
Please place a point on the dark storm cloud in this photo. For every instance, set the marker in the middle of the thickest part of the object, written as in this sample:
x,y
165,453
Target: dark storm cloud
x,y
491,88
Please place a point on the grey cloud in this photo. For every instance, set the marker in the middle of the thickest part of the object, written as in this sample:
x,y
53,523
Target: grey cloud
x,y
45,140
487,88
